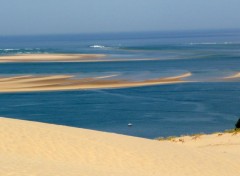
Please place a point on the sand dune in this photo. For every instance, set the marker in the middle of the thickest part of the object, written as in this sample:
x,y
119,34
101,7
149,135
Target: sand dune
x,y
30,83
235,76
30,148
228,143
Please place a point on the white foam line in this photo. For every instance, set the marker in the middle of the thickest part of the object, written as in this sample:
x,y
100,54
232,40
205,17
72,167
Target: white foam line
x,y
103,77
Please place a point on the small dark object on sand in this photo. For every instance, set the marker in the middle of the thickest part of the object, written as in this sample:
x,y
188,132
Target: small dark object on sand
x,y
238,124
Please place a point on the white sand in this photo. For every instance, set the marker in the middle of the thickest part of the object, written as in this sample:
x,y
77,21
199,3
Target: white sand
x,y
37,149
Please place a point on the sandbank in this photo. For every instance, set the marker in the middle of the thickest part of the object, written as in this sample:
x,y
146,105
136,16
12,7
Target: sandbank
x,y
65,58
235,76
29,83
50,57
31,148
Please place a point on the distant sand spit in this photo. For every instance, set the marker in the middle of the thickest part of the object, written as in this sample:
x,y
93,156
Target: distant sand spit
x,y
28,83
50,57
30,148
64,58
235,76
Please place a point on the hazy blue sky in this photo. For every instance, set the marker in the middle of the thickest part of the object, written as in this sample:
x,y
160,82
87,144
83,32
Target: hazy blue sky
x,y
81,16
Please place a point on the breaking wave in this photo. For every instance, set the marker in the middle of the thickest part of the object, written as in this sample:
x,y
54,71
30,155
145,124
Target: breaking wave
x,y
7,51
97,46
215,43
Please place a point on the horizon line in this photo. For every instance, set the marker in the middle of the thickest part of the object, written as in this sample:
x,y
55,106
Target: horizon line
x,y
123,32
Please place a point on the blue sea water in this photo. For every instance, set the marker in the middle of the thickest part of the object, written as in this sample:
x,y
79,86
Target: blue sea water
x,y
207,104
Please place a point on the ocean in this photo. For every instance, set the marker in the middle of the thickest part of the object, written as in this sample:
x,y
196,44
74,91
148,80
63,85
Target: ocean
x,y
207,103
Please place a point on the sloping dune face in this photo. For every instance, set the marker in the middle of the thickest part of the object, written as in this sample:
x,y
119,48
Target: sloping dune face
x,y
30,83
30,148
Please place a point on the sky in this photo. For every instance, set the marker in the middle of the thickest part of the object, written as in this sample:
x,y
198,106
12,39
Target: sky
x,y
23,17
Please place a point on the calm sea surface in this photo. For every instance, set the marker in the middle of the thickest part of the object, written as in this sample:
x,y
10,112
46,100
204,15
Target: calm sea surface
x,y
206,105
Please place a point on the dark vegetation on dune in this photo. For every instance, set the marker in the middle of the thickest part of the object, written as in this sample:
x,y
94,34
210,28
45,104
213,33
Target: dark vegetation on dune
x,y
237,125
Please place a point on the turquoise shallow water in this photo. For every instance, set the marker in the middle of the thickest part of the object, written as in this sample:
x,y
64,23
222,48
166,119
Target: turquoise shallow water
x,y
208,105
